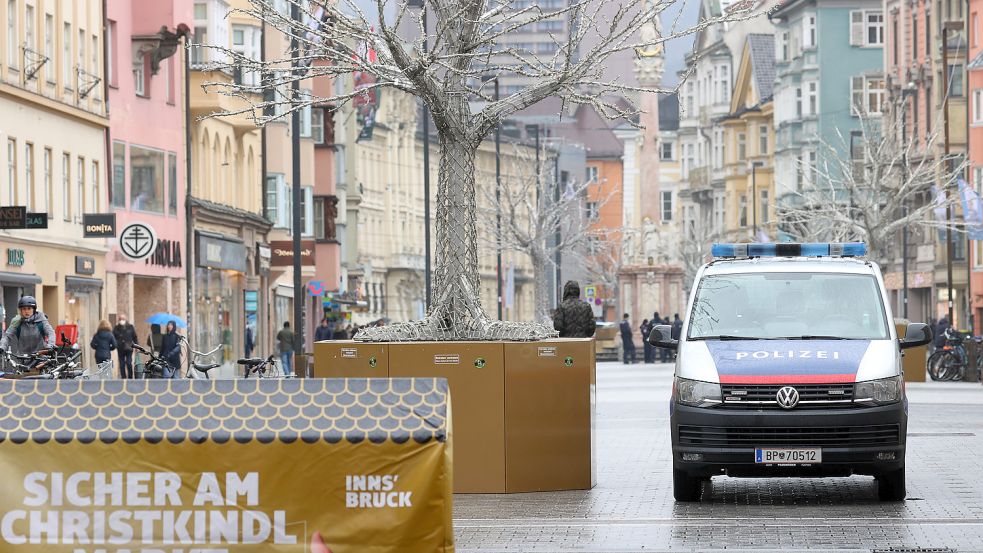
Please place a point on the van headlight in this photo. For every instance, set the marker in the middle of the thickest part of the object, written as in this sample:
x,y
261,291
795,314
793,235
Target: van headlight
x,y
878,392
696,393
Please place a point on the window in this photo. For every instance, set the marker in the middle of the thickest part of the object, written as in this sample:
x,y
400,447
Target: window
x,y
317,126
199,54
95,63
763,206
867,94
956,80
80,188
742,212
914,38
146,179
96,195
977,178
866,28
140,76
665,153
80,50
741,146
307,211
117,192
798,101
783,46
666,206
320,232
592,174
305,117
29,27
278,201
928,34
894,40
66,57
812,169
928,111
12,48
49,47
762,139
592,211
11,171
978,106
48,183
973,30
29,176
809,31
799,171
812,103
172,184
66,187
246,42
550,26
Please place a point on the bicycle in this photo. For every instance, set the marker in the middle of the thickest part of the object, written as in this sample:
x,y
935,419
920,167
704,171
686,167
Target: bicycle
x,y
262,368
193,360
951,360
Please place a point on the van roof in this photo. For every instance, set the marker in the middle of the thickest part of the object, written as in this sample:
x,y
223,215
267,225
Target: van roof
x,y
790,265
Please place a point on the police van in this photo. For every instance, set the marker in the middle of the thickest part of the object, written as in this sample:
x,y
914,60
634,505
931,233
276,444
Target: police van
x,y
789,365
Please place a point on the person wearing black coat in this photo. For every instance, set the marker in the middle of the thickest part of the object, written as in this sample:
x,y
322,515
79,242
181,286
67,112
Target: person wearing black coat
x,y
665,354
627,342
103,342
170,349
940,332
646,329
126,336
574,318
323,332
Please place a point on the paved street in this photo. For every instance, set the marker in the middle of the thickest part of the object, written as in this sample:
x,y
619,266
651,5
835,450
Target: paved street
x,y
632,510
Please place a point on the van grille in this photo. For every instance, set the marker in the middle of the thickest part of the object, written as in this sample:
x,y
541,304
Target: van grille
x,y
838,436
811,396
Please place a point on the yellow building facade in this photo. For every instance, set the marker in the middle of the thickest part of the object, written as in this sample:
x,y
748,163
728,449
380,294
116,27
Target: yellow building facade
x,y
749,158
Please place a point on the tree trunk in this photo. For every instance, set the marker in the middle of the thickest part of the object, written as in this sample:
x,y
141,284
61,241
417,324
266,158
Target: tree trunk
x,y
456,312
541,287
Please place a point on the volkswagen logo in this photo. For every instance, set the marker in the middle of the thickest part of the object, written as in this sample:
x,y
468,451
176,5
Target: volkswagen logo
x,y
788,397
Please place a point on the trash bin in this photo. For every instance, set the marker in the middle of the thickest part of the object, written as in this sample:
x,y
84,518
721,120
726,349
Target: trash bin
x,y
913,359
972,350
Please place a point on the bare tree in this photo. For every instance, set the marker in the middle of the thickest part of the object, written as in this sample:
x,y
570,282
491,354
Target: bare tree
x,y
696,237
882,186
465,45
602,261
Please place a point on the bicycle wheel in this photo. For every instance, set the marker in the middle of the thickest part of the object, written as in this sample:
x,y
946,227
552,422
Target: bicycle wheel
x,y
949,366
932,365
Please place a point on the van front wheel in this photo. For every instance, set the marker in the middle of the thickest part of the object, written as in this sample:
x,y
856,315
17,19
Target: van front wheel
x,y
686,488
891,486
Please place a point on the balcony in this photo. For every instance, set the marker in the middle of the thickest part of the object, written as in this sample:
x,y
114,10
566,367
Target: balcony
x,y
407,261
213,101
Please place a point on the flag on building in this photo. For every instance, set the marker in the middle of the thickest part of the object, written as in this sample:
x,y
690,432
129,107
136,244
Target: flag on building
x,y
509,287
972,210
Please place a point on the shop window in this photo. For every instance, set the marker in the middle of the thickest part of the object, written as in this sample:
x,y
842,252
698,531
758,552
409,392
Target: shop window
x,y
172,184
117,192
146,179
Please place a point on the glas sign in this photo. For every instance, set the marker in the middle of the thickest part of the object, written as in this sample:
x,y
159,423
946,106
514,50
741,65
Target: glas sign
x,y
251,301
15,258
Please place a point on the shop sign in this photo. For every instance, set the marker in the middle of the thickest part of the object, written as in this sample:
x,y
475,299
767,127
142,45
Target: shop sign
x,y
215,252
447,359
316,288
167,254
15,257
13,217
85,265
283,253
217,481
263,255
99,225
590,292
137,241
250,301
36,220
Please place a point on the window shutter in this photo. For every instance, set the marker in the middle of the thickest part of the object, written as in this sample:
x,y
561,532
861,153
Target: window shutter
x,y
856,94
856,28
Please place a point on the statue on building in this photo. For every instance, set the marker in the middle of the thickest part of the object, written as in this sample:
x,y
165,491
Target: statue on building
x,y
650,239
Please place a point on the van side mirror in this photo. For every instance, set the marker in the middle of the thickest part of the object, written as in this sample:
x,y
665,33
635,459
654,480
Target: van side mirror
x,y
917,334
661,337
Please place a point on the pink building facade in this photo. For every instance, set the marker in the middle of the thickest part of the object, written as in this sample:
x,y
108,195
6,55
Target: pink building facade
x,y
327,249
975,146
145,78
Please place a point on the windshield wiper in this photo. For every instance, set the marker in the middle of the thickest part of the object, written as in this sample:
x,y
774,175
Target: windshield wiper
x,y
725,337
812,337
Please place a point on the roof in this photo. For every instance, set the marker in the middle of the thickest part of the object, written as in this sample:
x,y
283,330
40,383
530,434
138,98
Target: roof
x,y
977,62
584,126
790,265
762,64
255,218
669,112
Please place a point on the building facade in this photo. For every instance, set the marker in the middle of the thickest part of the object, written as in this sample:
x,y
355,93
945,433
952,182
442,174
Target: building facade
x,y
53,108
145,77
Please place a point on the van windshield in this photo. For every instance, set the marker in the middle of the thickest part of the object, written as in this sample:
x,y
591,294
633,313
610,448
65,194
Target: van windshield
x,y
777,306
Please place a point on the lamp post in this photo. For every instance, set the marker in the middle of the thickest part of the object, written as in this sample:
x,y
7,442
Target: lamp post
x,y
908,90
949,245
498,208
426,165
754,201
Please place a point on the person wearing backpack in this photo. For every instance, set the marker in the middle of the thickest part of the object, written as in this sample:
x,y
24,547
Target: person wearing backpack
x,y
29,332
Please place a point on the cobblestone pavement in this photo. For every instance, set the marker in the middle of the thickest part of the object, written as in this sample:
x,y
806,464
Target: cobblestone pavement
x,y
632,509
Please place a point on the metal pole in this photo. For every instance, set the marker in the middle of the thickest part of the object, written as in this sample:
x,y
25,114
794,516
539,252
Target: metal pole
x,y
498,206
558,291
426,178
295,154
904,229
189,272
949,245
754,200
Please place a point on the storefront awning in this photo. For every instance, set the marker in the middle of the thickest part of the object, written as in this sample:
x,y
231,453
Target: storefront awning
x,y
82,283
19,278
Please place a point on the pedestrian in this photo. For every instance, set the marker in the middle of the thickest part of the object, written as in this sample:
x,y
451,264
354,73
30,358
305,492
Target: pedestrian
x,y
126,336
677,326
324,331
103,343
646,329
28,332
286,340
170,349
665,354
627,342
574,318
940,332
250,342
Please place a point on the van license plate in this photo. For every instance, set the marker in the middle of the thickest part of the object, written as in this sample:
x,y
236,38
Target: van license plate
x,y
788,456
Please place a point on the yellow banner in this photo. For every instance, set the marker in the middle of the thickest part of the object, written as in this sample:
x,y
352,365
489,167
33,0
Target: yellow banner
x,y
170,466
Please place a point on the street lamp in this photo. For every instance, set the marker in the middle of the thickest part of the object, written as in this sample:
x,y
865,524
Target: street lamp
x,y
498,202
907,90
949,246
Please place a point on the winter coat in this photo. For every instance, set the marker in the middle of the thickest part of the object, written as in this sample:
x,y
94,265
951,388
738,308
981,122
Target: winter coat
x,y
103,343
153,341
126,336
940,332
677,328
645,329
170,348
27,336
626,334
286,339
323,333
574,318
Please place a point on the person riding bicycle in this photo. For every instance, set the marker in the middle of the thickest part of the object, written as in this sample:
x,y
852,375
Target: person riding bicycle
x,y
29,332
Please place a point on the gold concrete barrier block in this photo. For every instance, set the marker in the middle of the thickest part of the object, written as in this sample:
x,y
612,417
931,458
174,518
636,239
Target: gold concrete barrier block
x,y
350,359
168,466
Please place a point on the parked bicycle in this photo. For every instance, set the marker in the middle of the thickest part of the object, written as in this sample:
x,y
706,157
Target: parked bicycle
x,y
262,368
157,367
951,361
193,364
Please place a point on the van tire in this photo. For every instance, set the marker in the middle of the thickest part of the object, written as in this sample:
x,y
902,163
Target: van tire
x,y
891,485
686,488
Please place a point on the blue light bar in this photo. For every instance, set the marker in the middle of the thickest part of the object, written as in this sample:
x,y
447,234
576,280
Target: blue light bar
x,y
821,249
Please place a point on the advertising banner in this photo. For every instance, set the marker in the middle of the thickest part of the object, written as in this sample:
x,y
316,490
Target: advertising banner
x,y
243,466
